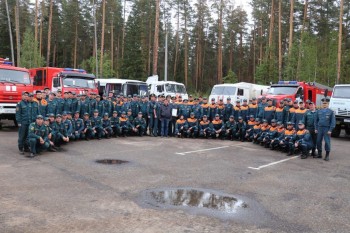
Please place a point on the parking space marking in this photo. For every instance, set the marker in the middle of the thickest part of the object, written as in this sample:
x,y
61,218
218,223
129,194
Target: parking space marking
x,y
194,151
273,163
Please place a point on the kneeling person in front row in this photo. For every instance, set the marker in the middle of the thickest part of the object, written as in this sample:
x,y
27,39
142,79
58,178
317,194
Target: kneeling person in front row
x,y
139,125
37,136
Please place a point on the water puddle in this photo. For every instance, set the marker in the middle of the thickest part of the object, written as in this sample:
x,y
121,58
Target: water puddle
x,y
198,199
111,161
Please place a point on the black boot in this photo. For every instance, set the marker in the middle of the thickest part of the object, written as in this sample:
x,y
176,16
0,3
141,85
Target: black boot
x,y
327,156
304,155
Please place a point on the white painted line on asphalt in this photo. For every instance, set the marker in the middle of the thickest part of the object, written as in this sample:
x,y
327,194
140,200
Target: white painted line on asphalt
x,y
274,163
194,151
245,147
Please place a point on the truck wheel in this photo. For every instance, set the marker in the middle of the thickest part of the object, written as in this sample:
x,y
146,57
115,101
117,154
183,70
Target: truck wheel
x,y
347,131
336,132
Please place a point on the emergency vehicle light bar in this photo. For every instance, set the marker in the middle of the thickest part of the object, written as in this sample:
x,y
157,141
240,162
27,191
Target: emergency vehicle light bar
x,y
76,70
288,82
5,61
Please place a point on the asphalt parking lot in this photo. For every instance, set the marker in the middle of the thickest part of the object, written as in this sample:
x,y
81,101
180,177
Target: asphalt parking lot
x,y
68,191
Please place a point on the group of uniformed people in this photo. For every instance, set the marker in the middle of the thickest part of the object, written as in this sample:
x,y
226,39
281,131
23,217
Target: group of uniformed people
x,y
49,120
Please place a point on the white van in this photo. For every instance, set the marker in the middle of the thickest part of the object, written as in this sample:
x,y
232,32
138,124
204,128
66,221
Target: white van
x,y
340,104
237,91
122,86
166,87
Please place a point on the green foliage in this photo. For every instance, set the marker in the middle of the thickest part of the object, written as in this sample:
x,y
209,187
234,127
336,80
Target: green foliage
x,y
30,56
90,65
231,77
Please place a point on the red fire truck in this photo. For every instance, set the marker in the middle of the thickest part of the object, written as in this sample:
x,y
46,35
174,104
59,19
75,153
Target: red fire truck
x,y
13,81
64,79
298,91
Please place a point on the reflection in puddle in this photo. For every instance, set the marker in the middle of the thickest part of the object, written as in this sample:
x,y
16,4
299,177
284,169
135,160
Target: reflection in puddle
x,y
199,199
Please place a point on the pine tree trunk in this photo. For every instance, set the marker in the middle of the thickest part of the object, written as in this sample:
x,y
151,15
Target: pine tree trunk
x,y
231,50
18,39
301,40
102,36
54,54
156,39
340,40
10,32
149,47
240,78
123,38
219,59
254,54
36,34
49,35
112,48
261,43
291,28
279,39
41,28
177,40
75,45
186,48
272,22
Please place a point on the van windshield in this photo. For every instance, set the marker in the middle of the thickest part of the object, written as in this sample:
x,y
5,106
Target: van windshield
x,y
282,90
341,92
14,76
78,82
115,87
223,90
175,88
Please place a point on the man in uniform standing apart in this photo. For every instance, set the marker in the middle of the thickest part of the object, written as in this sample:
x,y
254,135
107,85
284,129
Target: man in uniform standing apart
x,y
324,124
23,118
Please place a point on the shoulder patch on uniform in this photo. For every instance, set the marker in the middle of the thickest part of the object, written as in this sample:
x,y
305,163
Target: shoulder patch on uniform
x,y
31,127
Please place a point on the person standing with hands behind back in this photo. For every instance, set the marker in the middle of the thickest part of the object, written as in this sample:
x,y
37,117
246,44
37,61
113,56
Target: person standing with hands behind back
x,y
324,124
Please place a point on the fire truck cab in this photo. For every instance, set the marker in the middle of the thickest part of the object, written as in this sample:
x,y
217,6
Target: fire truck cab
x,y
13,81
298,91
64,79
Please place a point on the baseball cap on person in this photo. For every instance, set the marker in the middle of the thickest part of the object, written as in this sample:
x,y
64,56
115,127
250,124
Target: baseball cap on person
x,y
326,99
39,117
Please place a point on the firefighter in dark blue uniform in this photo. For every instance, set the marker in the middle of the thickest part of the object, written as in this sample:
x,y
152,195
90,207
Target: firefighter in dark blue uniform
x,y
303,140
23,118
309,120
37,136
324,124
